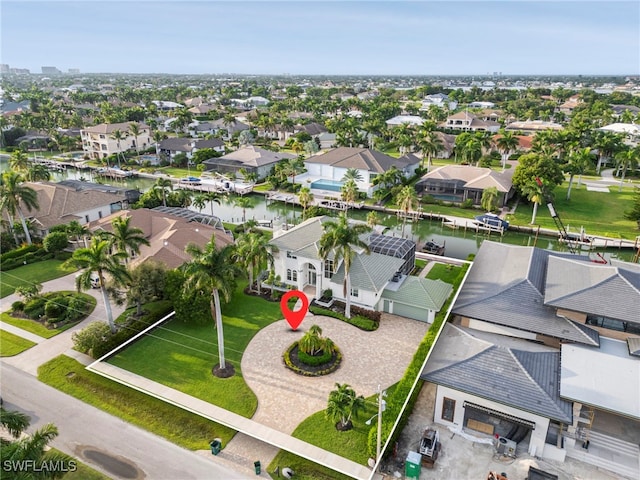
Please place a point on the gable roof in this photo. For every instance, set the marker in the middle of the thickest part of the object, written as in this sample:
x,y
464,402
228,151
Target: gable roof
x,y
513,296
362,159
370,271
525,379
62,204
580,286
421,292
303,238
479,178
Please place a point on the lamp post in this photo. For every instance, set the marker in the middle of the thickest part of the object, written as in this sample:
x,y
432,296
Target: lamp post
x,y
381,408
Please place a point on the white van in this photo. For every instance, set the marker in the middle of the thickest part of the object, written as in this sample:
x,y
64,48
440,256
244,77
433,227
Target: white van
x,y
95,280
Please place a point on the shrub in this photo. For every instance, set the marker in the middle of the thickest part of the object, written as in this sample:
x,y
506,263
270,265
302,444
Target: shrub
x,y
34,308
54,308
77,308
93,335
55,242
289,364
468,203
313,360
17,306
361,322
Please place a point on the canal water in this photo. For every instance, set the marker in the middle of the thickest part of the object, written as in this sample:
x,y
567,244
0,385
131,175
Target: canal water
x,y
458,243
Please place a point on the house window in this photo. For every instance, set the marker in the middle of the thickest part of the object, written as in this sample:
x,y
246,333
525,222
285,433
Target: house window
x,y
612,324
86,217
448,409
102,136
292,275
354,292
290,255
103,146
328,268
100,214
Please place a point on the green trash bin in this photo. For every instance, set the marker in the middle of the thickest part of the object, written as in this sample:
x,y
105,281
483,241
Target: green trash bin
x,y
215,445
258,467
413,465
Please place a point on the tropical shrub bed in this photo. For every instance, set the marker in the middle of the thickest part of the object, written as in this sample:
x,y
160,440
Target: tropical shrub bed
x,y
292,362
358,320
55,309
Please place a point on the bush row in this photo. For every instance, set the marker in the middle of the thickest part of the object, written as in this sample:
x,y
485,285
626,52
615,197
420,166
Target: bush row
x,y
56,307
18,252
314,360
97,340
401,392
30,257
359,321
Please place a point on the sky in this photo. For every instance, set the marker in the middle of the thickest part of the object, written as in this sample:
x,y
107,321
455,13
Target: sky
x,y
331,37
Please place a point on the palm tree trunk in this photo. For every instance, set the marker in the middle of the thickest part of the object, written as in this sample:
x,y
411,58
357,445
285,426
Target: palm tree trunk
x,y
570,185
347,294
12,222
107,305
535,211
24,226
624,172
217,314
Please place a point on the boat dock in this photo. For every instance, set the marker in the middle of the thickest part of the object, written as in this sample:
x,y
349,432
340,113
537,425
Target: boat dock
x,y
456,223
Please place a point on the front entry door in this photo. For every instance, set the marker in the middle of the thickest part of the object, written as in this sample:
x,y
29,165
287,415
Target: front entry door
x,y
312,277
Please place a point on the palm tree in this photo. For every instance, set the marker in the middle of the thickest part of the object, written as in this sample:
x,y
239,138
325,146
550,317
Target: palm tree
x,y
37,173
214,197
31,448
19,161
199,201
627,159
13,195
134,129
97,258
340,239
244,203
344,404
118,135
577,162
489,199
254,252
406,199
161,185
372,219
213,270
305,197
349,192
537,191
293,167
313,342
430,145
506,144
125,238
352,174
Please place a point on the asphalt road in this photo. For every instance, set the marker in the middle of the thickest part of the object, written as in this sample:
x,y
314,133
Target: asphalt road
x,y
106,443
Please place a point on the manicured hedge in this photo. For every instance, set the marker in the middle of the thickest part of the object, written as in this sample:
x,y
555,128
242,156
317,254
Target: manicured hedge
x,y
286,357
357,320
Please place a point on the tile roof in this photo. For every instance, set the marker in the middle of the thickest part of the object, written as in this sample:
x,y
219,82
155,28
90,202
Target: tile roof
x,y
506,285
360,158
593,288
421,292
474,177
109,128
252,156
525,379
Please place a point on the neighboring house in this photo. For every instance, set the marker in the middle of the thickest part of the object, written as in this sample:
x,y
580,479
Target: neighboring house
x,y
457,183
61,204
481,105
98,141
169,230
249,157
170,147
544,332
570,104
405,119
631,131
12,108
202,109
418,298
314,129
220,127
469,122
531,127
439,100
325,171
618,110
166,106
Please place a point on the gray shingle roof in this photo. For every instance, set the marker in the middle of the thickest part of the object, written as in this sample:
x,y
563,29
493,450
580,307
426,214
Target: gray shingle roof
x,y
369,272
593,288
506,285
421,292
527,380
251,156
633,343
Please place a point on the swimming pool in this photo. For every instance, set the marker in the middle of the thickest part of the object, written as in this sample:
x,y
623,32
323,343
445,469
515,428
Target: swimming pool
x,y
447,197
325,184
149,158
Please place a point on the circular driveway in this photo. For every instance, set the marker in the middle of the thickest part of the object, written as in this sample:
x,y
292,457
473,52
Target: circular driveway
x,y
368,358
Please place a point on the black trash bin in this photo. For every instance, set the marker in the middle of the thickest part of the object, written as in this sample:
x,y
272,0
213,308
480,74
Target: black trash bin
x,y
215,445
258,467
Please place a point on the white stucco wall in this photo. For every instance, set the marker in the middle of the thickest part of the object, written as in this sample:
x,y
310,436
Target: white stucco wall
x,y
538,435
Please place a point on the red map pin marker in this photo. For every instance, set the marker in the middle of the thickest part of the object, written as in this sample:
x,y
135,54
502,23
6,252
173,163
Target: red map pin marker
x,y
294,318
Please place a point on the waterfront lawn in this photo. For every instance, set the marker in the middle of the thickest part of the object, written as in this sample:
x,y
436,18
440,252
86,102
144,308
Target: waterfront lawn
x,y
445,272
156,416
11,344
38,272
599,213
184,354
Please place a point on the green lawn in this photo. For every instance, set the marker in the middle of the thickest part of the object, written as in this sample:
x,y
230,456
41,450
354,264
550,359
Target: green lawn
x,y
173,423
183,354
38,328
33,273
599,213
11,344
446,273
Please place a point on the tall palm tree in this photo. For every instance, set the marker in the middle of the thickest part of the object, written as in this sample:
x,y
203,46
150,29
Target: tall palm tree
x,y
19,161
98,258
430,145
126,238
372,219
489,199
199,201
118,136
254,252
352,174
13,195
349,192
293,167
37,173
244,203
577,163
536,192
213,270
214,197
161,185
406,199
627,159
305,197
134,129
507,143
340,240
